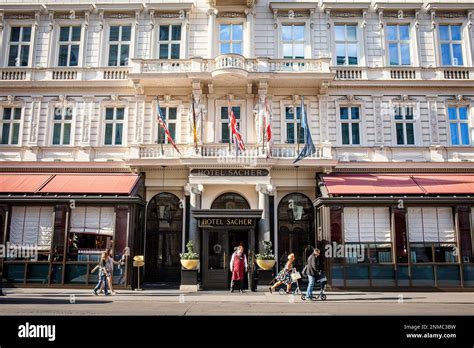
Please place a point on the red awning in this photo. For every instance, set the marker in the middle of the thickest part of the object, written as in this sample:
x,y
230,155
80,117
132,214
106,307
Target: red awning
x,y
445,184
68,183
399,184
370,184
91,183
22,183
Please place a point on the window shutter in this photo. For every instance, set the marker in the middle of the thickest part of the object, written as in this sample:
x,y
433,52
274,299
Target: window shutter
x,y
92,223
366,224
430,225
106,220
415,225
382,225
351,222
45,232
78,218
16,225
32,220
445,223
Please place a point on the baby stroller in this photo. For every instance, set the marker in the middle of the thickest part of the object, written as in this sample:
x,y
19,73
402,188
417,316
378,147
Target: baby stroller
x,y
295,276
319,286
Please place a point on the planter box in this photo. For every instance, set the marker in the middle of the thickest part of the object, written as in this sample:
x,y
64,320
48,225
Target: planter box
x,y
189,280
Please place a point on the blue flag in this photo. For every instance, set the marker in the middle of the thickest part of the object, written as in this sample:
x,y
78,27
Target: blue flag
x,y
309,147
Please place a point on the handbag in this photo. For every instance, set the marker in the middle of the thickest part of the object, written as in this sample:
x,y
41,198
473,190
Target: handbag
x,y
295,276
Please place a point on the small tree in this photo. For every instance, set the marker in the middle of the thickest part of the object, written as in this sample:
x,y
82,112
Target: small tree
x,y
190,254
266,253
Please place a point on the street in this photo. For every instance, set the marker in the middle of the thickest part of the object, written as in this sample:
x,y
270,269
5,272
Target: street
x,y
24,301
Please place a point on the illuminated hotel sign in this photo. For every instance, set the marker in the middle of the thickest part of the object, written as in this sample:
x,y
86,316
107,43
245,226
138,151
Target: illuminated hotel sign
x,y
203,222
229,172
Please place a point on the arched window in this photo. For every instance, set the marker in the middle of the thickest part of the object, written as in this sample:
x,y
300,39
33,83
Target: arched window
x,y
164,225
295,229
230,200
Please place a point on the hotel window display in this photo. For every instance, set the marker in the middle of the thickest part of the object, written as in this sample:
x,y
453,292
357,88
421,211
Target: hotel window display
x,y
346,44
119,45
451,45
295,228
10,125
19,51
169,41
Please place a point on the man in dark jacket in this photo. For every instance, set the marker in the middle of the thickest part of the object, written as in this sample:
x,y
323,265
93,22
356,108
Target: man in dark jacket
x,y
312,271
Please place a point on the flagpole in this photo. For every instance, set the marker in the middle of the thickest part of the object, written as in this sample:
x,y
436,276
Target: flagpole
x,y
159,128
263,128
229,110
298,129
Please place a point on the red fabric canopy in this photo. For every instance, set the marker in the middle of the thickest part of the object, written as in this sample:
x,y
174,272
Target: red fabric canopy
x,y
443,184
68,183
22,183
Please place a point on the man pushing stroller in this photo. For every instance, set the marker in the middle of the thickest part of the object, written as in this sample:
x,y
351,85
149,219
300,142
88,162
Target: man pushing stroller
x,y
312,270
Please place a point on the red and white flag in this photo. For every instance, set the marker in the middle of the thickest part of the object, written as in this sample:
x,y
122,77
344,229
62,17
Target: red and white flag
x,y
234,130
162,123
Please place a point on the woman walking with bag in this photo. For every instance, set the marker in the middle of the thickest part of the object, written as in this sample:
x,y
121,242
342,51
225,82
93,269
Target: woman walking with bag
x,y
284,277
103,274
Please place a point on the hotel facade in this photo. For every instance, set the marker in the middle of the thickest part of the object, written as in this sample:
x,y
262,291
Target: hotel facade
x,y
387,88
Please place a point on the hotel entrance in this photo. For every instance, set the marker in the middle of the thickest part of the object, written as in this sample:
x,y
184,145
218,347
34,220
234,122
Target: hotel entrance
x,y
221,232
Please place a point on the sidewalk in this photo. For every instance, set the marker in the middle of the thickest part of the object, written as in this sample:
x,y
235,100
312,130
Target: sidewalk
x,y
28,301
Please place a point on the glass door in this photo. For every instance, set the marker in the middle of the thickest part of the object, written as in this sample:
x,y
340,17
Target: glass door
x,y
216,259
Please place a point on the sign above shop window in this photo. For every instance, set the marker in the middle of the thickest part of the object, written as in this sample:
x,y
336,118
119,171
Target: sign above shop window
x,y
229,172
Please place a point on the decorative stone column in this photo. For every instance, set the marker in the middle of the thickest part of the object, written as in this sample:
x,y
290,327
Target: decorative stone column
x,y
211,30
264,190
194,191
249,31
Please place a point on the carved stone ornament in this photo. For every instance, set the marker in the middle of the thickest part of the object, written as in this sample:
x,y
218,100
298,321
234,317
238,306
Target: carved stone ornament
x,y
19,16
350,99
339,14
231,15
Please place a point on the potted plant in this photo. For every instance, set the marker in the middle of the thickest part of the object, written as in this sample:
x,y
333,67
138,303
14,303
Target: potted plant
x,y
266,259
189,259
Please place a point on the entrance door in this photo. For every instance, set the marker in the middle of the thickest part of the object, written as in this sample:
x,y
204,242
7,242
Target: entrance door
x,y
218,247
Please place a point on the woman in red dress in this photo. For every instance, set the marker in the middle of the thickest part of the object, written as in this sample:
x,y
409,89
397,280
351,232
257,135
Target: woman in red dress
x,y
238,267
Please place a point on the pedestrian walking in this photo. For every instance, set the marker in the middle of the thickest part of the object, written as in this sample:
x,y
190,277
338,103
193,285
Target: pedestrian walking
x,y
284,276
103,274
238,267
312,271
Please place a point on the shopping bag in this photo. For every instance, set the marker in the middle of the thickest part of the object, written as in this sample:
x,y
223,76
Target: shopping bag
x,y
295,276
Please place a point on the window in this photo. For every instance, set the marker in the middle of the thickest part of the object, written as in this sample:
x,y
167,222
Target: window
x,y
19,53
346,44
114,118
230,201
225,131
119,45
404,125
169,41
459,125
293,41
398,37
69,41
11,122
32,225
431,234
294,132
350,125
451,45
62,123
230,38
368,228
170,115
